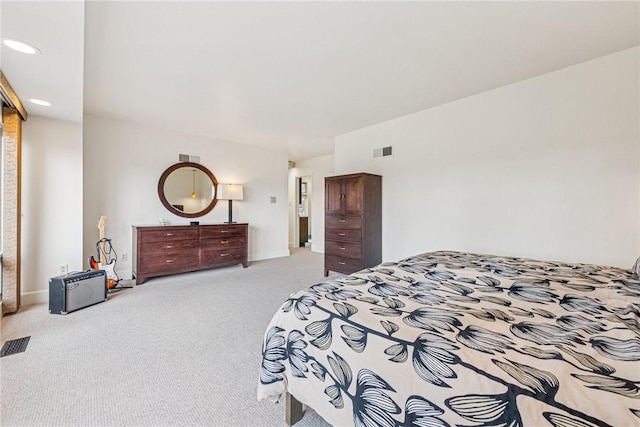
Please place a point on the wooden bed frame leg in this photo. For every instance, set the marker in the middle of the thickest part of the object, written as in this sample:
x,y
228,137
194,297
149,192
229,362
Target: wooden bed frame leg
x,y
294,410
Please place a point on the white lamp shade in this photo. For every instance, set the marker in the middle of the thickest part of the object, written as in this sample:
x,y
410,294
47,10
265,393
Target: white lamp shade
x,y
229,192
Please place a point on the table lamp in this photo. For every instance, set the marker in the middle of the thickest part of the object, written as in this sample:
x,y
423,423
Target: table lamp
x,y
229,192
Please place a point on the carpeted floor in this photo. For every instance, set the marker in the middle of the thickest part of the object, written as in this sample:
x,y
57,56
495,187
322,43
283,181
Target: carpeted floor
x,y
182,350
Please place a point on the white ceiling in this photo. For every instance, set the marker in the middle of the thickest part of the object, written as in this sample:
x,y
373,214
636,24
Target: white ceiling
x,y
293,75
55,75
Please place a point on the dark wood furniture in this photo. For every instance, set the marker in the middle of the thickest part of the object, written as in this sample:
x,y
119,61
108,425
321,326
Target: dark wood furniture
x,y
303,230
353,222
163,250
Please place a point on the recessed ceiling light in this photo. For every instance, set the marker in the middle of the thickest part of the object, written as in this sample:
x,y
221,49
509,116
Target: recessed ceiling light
x,y
20,46
40,102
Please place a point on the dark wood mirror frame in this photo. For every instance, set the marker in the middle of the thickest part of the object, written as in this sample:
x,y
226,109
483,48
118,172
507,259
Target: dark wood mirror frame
x,y
168,205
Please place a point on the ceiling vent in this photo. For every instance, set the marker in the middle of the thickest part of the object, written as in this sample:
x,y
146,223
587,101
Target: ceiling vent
x,y
188,158
383,152
292,164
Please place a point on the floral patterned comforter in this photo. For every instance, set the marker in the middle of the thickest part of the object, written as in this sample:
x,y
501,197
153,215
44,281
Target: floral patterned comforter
x,y
450,338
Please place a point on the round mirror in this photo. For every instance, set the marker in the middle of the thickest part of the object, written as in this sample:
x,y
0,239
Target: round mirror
x,y
188,189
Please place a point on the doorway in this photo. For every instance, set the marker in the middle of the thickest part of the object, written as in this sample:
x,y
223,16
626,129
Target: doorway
x,y
303,211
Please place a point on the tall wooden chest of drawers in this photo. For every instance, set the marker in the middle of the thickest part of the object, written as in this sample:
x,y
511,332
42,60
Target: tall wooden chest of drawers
x,y
169,249
353,222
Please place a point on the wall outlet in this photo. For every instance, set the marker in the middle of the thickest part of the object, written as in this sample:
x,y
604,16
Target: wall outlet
x,y
63,269
125,256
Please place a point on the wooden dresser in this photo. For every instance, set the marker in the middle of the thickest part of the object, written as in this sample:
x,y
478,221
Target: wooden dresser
x,y
169,249
353,222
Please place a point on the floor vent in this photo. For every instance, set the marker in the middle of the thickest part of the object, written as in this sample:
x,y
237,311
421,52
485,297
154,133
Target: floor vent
x,y
14,346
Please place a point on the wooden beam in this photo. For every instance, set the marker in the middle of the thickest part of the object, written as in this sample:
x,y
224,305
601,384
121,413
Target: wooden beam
x,y
10,97
11,189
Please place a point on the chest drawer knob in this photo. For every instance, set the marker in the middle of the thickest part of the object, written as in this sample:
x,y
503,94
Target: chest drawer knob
x,y
342,220
224,241
224,231
170,260
342,234
224,254
342,249
341,262
170,246
171,234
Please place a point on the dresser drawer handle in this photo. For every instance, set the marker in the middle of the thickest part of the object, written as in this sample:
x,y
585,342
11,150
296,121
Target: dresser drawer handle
x,y
224,241
224,254
342,220
170,260
342,249
169,246
170,234
224,231
341,263
342,234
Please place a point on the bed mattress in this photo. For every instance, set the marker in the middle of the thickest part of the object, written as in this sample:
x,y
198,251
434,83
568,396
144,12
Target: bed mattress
x,y
451,338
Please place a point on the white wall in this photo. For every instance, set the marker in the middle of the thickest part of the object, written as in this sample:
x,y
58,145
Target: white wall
x,y
122,165
317,168
545,168
292,205
51,203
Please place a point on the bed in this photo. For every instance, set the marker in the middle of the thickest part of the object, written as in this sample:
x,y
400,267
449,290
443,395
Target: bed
x,y
460,339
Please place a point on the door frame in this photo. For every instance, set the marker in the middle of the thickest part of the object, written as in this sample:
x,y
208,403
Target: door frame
x,y
298,200
13,114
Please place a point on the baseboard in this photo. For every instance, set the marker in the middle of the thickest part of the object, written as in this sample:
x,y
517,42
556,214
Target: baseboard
x,y
39,297
34,297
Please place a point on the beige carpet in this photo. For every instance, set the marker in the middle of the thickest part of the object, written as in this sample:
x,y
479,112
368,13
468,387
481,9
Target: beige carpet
x,y
182,350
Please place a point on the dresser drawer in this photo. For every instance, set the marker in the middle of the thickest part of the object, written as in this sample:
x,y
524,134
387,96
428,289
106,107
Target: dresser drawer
x,y
169,235
341,221
343,249
341,264
223,243
222,231
163,250
224,256
158,264
343,234
169,247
